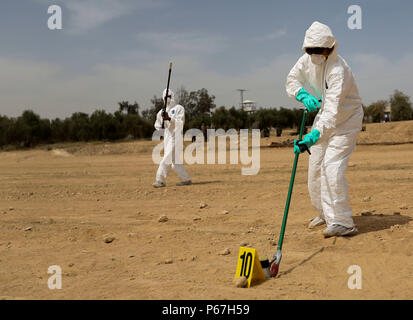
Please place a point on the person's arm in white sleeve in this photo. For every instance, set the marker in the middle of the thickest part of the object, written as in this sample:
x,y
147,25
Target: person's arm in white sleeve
x,y
179,116
339,83
295,79
158,122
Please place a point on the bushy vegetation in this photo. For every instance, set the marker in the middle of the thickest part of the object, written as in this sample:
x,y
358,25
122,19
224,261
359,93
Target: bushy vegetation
x,y
400,105
29,129
201,112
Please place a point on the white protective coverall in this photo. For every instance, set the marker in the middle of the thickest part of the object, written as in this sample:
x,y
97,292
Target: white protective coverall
x,y
172,135
339,120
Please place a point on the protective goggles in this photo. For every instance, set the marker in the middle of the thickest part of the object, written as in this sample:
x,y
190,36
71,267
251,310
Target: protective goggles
x,y
317,50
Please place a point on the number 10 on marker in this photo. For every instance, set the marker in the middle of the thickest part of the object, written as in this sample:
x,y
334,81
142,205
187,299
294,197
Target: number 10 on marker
x,y
246,264
249,266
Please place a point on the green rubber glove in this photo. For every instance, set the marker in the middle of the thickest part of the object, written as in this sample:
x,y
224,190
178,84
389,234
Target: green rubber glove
x,y
309,139
310,102
297,149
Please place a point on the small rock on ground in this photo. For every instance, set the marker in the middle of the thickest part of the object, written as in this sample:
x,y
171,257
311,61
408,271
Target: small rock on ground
x,y
395,227
203,205
366,213
109,239
163,219
241,282
225,252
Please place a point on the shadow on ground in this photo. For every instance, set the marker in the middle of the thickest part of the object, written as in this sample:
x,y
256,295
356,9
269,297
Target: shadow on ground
x,y
206,182
302,262
364,224
377,222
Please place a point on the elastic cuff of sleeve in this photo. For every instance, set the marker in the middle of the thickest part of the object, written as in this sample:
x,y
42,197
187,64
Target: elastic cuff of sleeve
x,y
319,130
301,94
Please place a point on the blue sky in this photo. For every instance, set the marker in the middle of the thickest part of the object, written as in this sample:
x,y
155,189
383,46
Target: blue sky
x,y
112,50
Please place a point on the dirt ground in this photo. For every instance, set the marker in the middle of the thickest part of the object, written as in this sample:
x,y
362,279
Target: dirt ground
x,y
58,206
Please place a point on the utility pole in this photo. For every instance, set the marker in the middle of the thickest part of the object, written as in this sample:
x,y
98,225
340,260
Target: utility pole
x,y
242,96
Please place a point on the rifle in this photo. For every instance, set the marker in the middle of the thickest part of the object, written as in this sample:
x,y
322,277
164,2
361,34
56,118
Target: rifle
x,y
166,95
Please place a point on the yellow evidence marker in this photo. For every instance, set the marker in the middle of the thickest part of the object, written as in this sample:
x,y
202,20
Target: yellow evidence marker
x,y
249,266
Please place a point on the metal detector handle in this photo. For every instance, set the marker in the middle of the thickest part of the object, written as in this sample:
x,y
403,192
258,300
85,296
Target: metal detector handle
x,y
275,262
303,147
166,95
290,189
300,135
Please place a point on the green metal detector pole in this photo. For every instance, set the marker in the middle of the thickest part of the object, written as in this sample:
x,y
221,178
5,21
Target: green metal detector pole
x,y
290,190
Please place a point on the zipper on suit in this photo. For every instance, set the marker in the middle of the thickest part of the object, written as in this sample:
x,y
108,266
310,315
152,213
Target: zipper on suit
x,y
324,83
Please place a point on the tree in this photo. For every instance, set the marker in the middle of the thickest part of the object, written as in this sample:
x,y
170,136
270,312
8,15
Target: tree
x,y
220,118
204,119
183,97
375,111
264,120
58,132
129,108
104,126
205,102
7,131
80,129
401,107
286,118
28,128
45,131
151,112
189,101
195,103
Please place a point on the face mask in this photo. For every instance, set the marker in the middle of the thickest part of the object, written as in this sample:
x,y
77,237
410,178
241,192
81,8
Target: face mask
x,y
170,104
318,58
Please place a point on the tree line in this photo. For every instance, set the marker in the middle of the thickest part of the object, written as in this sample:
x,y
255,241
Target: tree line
x,y
29,129
400,106
128,122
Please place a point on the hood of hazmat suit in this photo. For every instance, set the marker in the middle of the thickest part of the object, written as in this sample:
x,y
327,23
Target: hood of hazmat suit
x,y
318,35
171,98
332,81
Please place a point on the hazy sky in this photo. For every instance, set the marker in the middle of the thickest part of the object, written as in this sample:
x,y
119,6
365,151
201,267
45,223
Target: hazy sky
x,y
113,50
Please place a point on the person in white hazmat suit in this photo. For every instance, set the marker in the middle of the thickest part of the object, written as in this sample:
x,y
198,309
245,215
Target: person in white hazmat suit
x,y
335,128
173,119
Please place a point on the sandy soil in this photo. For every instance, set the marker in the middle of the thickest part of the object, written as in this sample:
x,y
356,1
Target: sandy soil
x,y
58,206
